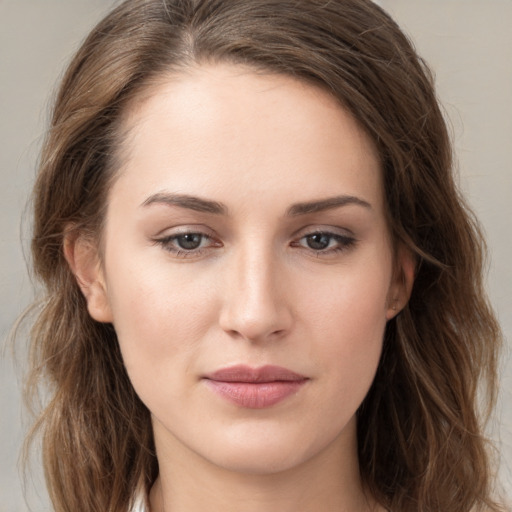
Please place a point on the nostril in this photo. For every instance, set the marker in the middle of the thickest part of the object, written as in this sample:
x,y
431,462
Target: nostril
x,y
254,303
268,327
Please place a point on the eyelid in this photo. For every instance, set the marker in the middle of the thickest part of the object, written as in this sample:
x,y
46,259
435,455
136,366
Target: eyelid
x,y
322,228
181,229
345,239
166,238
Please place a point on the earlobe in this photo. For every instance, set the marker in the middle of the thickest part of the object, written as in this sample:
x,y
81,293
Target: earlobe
x,y
84,262
403,281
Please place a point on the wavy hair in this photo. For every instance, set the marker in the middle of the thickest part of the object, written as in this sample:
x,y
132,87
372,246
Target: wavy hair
x,y
420,428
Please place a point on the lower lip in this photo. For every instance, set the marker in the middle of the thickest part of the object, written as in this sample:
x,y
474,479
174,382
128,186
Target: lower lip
x,y
255,395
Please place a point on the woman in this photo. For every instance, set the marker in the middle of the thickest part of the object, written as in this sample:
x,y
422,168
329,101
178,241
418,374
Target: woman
x,y
264,291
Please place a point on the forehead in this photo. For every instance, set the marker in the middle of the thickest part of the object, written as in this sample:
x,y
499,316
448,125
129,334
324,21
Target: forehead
x,y
217,125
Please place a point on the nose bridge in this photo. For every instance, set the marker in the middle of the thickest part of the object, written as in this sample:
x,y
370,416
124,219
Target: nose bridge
x,y
254,305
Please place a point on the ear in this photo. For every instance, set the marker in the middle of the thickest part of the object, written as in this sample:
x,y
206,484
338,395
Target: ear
x,y
82,256
402,283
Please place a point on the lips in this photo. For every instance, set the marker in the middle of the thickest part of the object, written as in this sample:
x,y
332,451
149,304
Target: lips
x,y
255,388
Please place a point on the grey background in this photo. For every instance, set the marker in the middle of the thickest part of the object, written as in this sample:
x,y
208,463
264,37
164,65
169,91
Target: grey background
x,y
467,42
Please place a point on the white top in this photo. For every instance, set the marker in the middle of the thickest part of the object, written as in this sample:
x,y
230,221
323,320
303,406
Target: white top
x,y
139,504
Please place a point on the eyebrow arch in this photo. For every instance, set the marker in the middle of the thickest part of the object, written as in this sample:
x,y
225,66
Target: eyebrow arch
x,y
207,206
186,201
325,204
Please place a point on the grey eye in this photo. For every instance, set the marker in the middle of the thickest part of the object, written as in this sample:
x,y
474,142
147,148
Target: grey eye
x,y
318,241
189,241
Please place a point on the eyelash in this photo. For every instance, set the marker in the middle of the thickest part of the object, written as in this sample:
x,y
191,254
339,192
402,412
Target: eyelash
x,y
169,244
344,243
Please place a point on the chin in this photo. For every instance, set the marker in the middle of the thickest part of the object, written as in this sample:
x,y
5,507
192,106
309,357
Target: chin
x,y
263,451
259,460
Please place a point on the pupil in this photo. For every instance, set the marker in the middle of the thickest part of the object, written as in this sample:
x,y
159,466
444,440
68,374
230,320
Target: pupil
x,y
189,241
318,241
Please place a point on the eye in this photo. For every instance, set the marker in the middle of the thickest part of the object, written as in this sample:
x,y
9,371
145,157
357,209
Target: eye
x,y
187,244
189,241
319,241
324,242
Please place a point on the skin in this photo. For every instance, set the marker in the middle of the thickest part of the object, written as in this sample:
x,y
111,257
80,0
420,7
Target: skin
x,y
257,289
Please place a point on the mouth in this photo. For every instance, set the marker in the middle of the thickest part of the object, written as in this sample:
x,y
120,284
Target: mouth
x,y
255,388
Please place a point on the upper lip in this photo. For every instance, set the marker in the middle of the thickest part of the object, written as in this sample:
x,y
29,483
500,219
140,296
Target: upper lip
x,y
243,373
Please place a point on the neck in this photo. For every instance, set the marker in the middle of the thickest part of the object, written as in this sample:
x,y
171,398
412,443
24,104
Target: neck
x,y
329,481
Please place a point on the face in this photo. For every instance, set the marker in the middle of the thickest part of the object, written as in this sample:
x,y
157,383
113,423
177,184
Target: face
x,y
247,267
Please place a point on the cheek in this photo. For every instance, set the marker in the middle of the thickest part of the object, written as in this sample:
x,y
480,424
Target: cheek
x,y
350,301
159,317
347,320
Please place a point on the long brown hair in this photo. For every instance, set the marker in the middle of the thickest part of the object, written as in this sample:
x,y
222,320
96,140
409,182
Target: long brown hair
x,y
421,444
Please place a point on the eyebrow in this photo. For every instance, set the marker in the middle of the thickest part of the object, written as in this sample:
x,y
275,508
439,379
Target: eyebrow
x,y
186,201
326,204
207,206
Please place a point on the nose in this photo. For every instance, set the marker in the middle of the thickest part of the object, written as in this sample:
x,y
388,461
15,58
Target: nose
x,y
255,303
